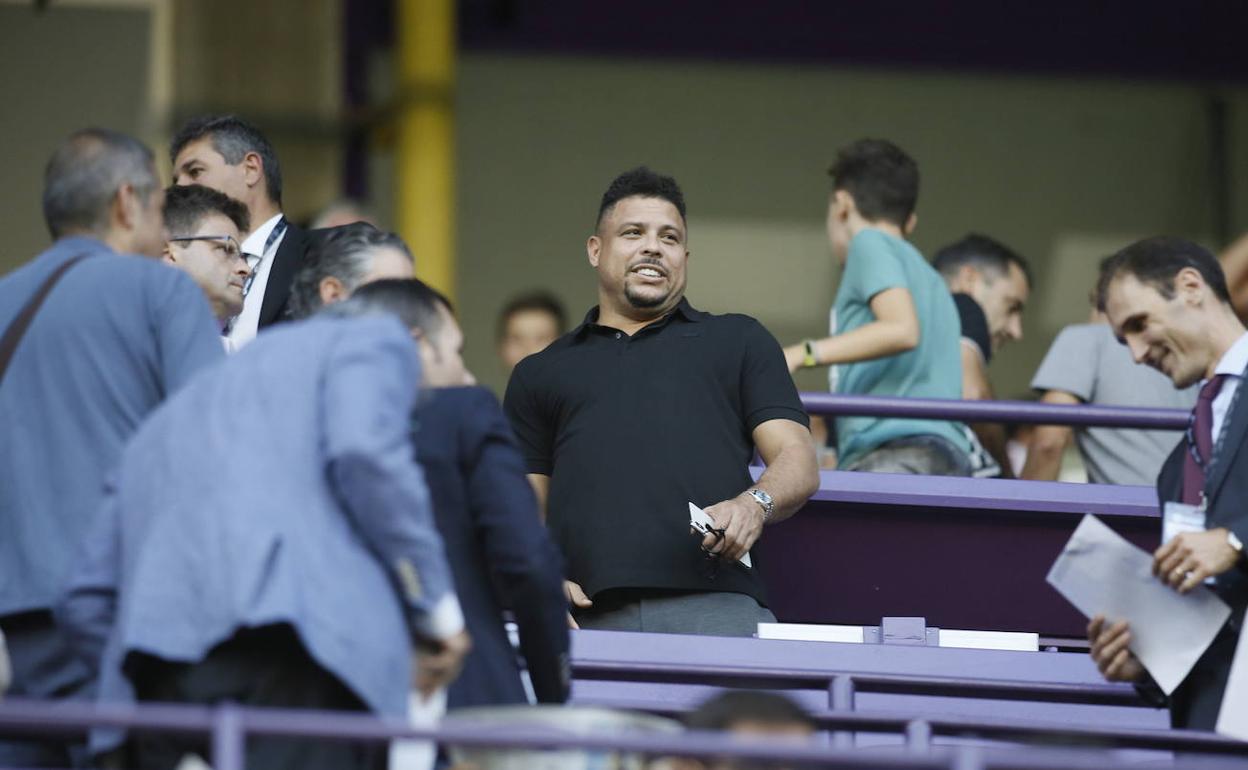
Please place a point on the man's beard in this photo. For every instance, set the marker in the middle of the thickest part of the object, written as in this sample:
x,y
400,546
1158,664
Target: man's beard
x,y
647,302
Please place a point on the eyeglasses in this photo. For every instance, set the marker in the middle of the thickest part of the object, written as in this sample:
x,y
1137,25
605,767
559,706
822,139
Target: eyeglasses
x,y
226,243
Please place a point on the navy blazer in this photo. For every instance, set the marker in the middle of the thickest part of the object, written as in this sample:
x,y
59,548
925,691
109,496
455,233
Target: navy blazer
x,y
1196,702
499,551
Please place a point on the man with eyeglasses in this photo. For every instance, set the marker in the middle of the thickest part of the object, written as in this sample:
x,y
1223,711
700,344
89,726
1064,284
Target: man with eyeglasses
x,y
204,227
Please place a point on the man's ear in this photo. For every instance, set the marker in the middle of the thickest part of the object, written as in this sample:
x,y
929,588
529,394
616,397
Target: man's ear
x,y
843,204
966,279
1191,284
253,169
332,290
167,255
593,248
125,207
912,222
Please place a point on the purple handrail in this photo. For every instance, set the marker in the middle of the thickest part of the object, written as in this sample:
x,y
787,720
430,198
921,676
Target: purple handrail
x,y
229,726
1030,412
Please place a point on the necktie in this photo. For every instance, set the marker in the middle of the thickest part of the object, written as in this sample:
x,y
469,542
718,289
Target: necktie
x,y
1200,440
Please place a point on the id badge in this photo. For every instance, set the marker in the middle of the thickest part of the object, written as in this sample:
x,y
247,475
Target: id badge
x,y
1177,518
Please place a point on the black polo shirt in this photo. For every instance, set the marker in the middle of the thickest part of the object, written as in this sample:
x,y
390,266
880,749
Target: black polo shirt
x,y
632,429
974,324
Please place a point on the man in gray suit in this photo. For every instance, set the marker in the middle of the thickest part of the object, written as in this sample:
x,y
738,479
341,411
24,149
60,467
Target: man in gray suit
x,y
268,539
115,335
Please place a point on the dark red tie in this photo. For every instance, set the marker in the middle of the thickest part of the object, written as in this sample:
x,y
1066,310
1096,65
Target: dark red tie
x,y
1200,441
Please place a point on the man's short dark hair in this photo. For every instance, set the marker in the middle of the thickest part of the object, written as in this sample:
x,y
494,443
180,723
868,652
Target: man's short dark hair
x,y
187,205
86,171
343,253
730,707
1156,261
882,179
982,253
233,138
537,301
644,183
414,302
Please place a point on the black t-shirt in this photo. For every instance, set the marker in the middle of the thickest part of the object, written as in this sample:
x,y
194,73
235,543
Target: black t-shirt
x,y
974,324
632,430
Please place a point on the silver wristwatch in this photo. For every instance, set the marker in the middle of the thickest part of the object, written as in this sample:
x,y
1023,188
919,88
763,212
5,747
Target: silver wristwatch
x,y
764,500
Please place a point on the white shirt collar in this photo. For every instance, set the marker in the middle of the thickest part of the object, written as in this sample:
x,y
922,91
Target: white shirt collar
x,y
1235,359
254,243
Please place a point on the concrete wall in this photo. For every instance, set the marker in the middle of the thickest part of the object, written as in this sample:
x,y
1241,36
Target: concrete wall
x,y
1064,171
60,70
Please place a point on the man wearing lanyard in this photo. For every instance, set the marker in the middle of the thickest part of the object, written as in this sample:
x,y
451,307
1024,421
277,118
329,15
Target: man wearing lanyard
x,y
1167,300
230,155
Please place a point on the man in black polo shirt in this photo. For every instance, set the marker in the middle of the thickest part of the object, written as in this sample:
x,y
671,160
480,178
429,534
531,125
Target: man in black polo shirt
x,y
990,285
650,405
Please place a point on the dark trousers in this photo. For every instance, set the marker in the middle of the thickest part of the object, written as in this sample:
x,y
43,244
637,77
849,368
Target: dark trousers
x,y
257,667
1197,701
44,667
707,613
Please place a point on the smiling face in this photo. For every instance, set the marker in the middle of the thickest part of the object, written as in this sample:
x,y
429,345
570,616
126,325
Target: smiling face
x,y
640,255
1002,298
1166,334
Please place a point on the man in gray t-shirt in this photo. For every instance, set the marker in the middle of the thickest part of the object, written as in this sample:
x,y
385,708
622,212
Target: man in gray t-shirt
x,y
1086,365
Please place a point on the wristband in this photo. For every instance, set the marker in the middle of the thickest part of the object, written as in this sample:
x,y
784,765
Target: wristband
x,y
809,361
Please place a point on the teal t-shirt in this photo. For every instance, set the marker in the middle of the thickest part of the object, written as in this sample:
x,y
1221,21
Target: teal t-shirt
x,y
933,369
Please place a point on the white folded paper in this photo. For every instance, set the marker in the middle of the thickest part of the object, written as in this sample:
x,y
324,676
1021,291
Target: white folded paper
x,y
1102,573
701,522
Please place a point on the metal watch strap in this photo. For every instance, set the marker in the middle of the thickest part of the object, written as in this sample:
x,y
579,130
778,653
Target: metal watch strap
x,y
764,501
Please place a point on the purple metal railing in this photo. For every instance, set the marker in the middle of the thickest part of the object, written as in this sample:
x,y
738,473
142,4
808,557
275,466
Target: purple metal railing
x,y
833,404
230,725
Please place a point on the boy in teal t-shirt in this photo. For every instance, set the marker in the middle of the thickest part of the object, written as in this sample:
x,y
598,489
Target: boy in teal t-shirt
x,y
894,327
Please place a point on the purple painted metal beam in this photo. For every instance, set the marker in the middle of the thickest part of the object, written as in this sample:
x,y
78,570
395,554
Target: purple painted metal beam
x,y
1102,693
1030,412
964,553
70,717
938,494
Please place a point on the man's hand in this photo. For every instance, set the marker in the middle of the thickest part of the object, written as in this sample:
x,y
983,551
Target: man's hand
x,y
1109,651
576,598
741,518
1190,557
436,667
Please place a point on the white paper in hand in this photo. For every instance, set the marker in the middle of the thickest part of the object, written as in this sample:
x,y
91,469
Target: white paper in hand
x,y
1102,573
701,522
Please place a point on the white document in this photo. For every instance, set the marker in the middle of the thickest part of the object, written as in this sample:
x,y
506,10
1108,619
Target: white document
x,y
1100,572
1233,718
701,522
419,755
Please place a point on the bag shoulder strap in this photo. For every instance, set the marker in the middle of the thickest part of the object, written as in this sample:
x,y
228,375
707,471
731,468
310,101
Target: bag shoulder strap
x,y
13,335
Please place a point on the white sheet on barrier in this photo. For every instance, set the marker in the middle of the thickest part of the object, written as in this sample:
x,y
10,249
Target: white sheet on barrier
x,y
1101,572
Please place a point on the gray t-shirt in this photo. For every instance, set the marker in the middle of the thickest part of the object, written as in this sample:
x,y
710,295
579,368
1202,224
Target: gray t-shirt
x,y
1086,361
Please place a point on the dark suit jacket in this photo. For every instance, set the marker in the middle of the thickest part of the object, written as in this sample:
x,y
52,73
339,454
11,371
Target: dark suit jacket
x,y
497,547
286,262
1196,702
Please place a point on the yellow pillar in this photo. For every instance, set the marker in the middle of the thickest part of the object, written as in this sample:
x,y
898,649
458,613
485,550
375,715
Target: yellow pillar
x,y
425,150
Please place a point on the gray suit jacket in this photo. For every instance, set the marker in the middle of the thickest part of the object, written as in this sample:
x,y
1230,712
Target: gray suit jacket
x,y
278,487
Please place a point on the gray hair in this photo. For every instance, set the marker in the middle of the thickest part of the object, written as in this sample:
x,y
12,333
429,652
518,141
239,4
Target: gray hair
x,y
85,173
344,253
233,138
410,300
